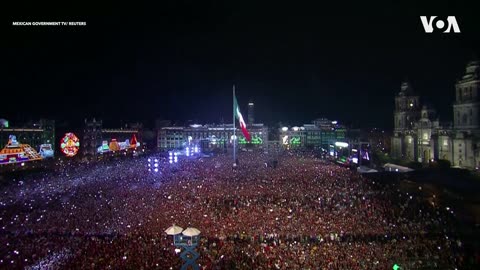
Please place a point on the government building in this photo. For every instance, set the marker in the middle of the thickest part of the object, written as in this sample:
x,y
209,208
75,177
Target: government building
x,y
212,136
320,134
419,136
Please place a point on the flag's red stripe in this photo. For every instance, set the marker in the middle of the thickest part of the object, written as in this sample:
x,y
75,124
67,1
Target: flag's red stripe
x,y
245,133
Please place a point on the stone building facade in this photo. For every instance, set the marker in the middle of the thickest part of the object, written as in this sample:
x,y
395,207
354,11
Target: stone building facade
x,y
419,136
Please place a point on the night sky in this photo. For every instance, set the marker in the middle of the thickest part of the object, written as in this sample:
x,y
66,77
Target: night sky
x,y
178,60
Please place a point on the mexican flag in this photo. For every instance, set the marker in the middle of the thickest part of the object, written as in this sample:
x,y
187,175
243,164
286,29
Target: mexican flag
x,y
239,116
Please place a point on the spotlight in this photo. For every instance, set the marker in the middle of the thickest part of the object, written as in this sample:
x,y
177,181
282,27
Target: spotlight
x,y
156,170
149,160
156,165
170,161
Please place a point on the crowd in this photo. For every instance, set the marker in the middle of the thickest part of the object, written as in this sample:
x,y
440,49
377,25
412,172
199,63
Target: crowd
x,y
304,214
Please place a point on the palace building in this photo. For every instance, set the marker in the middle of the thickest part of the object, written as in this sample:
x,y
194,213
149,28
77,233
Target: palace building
x,y
419,136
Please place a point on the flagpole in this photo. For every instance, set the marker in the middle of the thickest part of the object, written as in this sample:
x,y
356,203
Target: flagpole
x,y
234,130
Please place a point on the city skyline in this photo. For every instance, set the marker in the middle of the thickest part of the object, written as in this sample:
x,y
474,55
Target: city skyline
x,y
295,64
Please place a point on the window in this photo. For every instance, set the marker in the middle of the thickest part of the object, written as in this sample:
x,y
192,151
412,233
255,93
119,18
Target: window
x,y
425,136
445,142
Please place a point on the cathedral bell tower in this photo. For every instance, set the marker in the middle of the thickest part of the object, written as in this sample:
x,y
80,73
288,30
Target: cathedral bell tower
x,y
407,108
466,108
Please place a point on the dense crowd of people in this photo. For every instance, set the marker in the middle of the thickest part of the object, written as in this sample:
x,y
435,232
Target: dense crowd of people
x,y
304,214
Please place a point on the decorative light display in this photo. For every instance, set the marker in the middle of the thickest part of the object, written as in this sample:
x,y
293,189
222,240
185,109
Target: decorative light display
x,y
295,141
255,140
70,144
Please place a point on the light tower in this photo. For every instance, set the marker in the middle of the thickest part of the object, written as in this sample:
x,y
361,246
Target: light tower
x,y
251,113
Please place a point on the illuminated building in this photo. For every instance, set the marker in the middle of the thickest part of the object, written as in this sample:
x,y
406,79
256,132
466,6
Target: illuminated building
x,y
209,136
419,136
95,136
322,133
92,137
34,134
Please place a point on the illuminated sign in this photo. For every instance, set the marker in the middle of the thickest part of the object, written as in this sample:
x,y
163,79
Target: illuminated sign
x,y
70,144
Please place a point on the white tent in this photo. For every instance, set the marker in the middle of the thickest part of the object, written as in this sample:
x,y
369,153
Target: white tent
x,y
173,230
396,168
190,231
365,169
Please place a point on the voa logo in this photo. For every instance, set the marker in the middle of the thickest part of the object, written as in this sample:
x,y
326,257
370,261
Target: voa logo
x,y
451,24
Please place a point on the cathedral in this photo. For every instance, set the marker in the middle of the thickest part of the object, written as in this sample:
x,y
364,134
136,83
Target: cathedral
x,y
419,136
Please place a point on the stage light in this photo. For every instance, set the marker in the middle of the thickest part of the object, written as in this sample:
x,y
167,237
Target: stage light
x,y
149,160
170,161
156,170
156,165
156,160
341,144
